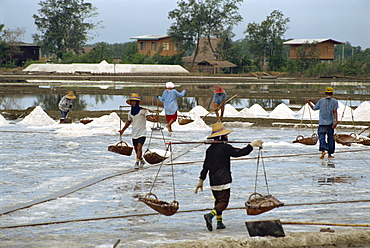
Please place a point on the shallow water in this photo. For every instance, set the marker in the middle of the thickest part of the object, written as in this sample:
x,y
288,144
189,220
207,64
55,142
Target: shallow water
x,y
36,161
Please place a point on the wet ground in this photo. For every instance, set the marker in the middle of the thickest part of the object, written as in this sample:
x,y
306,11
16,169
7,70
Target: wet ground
x,y
37,161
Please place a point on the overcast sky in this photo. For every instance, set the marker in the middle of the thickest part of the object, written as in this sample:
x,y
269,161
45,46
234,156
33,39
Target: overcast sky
x,y
342,20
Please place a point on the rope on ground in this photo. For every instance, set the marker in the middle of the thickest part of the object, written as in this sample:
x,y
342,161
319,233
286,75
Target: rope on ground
x,y
62,192
183,211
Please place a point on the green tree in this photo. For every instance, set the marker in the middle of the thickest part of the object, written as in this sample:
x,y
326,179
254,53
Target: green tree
x,y
266,39
202,19
308,54
64,25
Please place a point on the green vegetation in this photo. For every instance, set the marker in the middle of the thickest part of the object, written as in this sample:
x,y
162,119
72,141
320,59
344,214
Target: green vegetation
x,y
64,28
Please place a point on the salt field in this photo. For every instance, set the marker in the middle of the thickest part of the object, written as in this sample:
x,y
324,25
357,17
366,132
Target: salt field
x,y
41,158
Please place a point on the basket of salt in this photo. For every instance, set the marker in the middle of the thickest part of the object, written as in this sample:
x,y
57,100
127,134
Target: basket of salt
x,y
152,118
258,204
346,139
183,120
85,121
65,120
121,148
154,157
307,141
161,207
365,142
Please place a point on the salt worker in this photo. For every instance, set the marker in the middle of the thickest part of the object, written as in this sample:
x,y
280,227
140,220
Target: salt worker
x,y
217,165
218,101
66,103
169,99
328,121
137,116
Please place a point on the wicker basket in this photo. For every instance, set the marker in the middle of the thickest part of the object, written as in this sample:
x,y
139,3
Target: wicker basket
x,y
258,204
307,141
121,148
152,118
85,121
365,142
161,207
346,139
183,120
65,120
153,157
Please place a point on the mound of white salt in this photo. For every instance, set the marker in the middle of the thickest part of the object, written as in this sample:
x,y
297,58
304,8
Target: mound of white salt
x,y
282,111
230,110
362,112
3,121
257,110
38,117
198,110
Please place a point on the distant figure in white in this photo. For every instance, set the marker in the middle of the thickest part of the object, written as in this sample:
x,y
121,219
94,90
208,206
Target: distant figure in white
x,y
169,99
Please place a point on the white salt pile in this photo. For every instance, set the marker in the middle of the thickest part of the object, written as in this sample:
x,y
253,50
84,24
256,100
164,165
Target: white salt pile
x,y
307,113
198,110
258,110
230,110
245,112
197,124
107,120
345,113
362,112
282,111
3,121
38,117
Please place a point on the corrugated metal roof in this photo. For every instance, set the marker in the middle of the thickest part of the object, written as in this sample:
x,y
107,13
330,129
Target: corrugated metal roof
x,y
104,67
150,37
309,41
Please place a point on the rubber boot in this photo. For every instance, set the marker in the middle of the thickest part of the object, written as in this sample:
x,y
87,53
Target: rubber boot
x,y
142,163
220,225
208,219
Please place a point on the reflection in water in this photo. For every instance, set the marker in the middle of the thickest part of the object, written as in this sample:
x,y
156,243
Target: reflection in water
x,y
9,102
50,102
328,164
331,180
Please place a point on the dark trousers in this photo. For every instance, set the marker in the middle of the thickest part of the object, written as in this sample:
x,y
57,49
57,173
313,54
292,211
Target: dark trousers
x,y
64,113
222,200
326,138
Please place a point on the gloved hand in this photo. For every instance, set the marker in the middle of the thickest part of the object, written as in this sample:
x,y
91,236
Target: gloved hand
x,y
256,143
199,186
158,96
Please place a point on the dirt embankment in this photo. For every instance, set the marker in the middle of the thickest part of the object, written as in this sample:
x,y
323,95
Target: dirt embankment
x,y
352,238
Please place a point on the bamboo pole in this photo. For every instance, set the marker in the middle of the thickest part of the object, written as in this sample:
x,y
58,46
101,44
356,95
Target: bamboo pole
x,y
222,104
150,110
207,142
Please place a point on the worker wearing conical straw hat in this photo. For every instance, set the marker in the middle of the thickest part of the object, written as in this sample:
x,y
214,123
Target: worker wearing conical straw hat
x,y
66,103
218,100
136,116
169,99
217,165
328,121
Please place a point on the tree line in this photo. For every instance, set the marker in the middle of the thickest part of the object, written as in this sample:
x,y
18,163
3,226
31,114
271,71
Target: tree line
x,y
64,28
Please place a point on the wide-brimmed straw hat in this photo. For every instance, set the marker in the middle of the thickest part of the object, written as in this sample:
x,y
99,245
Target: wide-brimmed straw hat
x,y
70,95
170,85
329,90
134,97
218,129
219,90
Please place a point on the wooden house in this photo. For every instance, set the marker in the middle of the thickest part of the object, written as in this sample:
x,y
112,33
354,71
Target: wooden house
x,y
151,44
325,47
24,52
208,61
